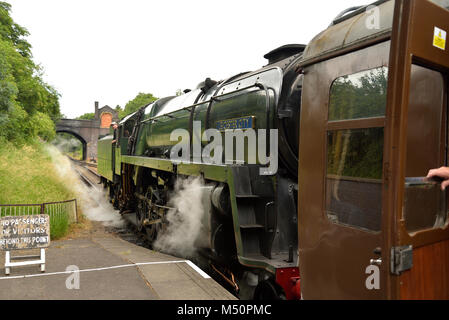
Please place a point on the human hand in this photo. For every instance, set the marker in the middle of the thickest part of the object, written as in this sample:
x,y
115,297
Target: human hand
x,y
442,172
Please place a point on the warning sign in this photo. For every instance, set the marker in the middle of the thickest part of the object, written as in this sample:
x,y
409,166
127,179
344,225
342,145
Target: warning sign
x,y
24,232
439,38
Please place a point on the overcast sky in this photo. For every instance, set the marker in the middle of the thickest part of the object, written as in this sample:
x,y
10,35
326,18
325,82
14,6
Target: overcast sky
x,y
109,51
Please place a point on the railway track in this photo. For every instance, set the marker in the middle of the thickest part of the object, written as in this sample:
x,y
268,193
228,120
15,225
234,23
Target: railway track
x,y
92,180
86,172
85,180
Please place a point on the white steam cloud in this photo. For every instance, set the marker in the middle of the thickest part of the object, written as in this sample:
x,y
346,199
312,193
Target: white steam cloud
x,y
185,223
93,201
66,144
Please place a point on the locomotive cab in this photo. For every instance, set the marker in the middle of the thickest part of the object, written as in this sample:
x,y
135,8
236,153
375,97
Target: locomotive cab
x,y
373,122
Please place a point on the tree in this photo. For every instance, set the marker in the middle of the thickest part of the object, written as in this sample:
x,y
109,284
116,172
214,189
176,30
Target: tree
x,y
11,31
87,116
28,106
141,100
119,110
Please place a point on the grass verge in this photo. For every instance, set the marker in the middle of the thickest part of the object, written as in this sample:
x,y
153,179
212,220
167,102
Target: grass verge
x,y
59,226
27,176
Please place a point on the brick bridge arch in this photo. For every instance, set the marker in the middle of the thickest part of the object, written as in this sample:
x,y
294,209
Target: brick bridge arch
x,y
88,131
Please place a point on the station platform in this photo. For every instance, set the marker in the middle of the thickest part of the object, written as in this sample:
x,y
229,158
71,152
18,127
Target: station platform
x,y
109,268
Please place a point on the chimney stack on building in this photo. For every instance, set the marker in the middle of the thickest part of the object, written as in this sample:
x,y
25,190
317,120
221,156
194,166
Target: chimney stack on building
x,y
97,116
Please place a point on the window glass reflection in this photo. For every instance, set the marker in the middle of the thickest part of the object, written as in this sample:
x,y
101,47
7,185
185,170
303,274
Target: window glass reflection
x,y
360,95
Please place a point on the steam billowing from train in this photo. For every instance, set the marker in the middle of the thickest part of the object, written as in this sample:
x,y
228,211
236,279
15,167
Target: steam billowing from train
x,y
184,222
94,203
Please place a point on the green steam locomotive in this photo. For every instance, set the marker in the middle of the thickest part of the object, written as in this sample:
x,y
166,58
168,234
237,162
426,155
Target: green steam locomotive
x,y
240,136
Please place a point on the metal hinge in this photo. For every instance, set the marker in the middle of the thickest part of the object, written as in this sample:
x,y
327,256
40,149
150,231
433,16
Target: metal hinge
x,y
401,259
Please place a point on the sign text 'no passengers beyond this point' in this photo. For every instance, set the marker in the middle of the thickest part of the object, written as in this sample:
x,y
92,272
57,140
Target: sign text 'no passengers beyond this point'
x,y
24,232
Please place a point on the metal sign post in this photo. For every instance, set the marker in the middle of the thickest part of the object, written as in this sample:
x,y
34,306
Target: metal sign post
x,y
9,264
24,232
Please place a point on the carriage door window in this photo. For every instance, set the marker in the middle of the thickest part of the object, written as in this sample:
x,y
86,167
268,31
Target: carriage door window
x,y
425,204
355,143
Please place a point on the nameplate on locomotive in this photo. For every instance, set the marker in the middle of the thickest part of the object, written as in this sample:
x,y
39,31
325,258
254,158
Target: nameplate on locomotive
x,y
24,232
237,123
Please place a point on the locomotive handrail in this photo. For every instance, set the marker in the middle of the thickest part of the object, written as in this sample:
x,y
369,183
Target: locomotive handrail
x,y
353,11
267,109
209,107
212,99
342,15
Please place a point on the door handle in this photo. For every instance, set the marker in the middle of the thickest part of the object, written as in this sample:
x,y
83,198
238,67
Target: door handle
x,y
376,262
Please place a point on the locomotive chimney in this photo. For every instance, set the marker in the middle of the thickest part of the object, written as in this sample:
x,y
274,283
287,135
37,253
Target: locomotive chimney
x,y
284,52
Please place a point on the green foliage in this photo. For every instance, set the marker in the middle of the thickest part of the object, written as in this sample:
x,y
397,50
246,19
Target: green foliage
x,y
28,106
87,116
13,32
27,176
59,226
41,125
119,110
141,100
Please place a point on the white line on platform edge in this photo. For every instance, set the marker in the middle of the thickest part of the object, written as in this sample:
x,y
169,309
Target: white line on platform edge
x,y
195,267
190,263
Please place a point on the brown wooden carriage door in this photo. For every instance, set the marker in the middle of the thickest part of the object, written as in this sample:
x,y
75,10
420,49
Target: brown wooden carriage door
x,y
417,139
341,176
